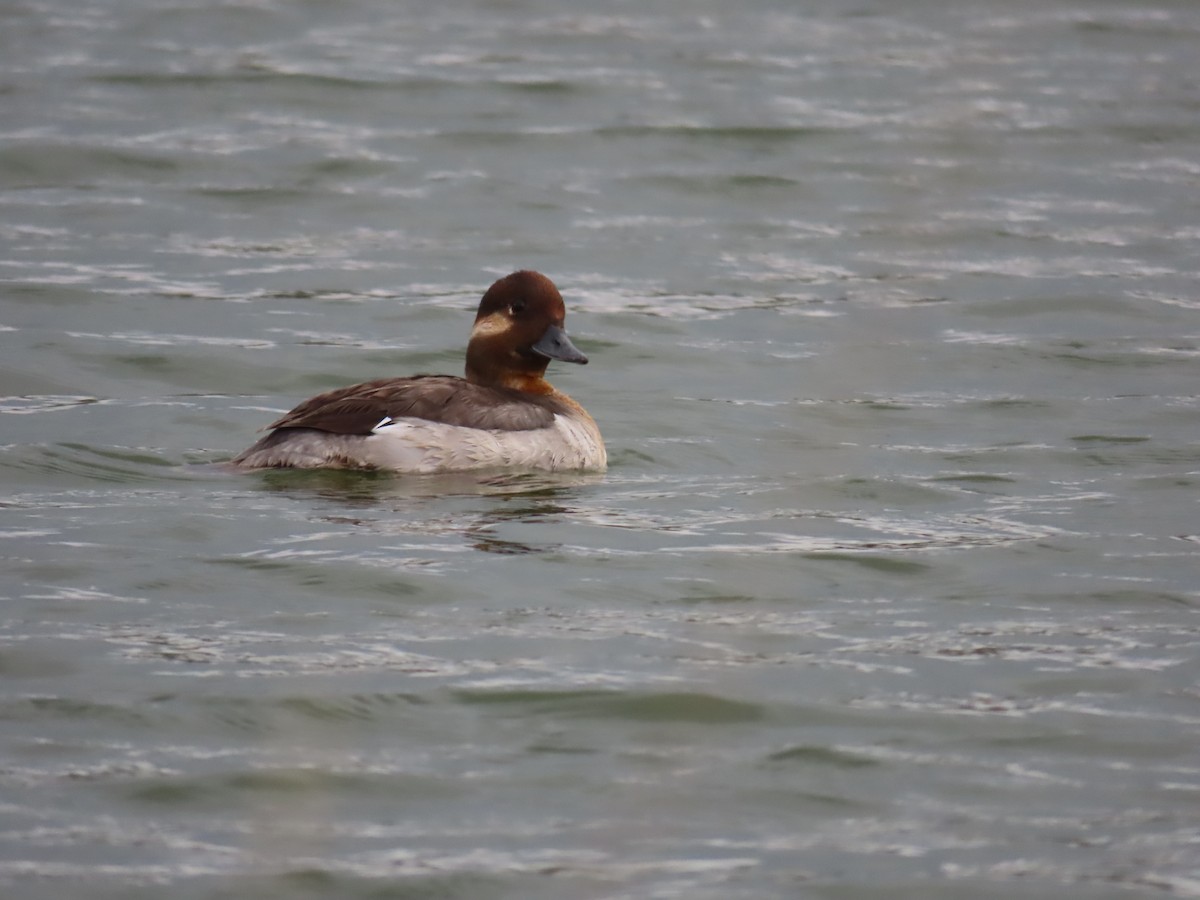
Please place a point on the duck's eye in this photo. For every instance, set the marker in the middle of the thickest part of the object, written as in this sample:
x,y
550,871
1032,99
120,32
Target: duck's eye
x,y
517,308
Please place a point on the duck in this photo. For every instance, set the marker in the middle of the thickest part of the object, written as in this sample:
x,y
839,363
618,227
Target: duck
x,y
503,414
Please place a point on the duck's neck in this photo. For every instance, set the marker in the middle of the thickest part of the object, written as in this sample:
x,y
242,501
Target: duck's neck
x,y
531,382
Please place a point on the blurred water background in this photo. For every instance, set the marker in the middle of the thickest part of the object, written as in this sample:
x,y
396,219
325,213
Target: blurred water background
x,y
892,589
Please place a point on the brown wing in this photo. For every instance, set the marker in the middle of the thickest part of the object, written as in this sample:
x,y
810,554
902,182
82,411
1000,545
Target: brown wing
x,y
439,398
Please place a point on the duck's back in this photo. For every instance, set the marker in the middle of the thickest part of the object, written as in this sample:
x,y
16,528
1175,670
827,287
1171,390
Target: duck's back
x,y
430,423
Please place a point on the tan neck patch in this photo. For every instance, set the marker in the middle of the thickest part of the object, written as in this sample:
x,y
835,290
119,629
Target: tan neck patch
x,y
491,326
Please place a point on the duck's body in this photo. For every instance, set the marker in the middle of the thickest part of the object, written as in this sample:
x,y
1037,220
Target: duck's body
x,y
503,414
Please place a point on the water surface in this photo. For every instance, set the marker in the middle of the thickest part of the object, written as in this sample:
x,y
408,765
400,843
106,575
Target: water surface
x,y
891,589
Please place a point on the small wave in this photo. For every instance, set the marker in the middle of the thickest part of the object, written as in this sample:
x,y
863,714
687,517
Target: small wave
x,y
123,465
40,403
158,339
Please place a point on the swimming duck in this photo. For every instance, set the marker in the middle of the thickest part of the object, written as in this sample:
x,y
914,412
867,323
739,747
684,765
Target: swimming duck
x,y
503,414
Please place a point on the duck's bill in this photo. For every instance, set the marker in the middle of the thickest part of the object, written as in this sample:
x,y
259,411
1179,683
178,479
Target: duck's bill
x,y
555,344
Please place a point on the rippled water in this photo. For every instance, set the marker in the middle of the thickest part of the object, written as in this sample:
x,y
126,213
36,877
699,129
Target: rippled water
x,y
891,590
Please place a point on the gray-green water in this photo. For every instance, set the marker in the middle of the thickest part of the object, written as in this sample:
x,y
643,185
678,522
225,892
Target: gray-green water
x,y
892,589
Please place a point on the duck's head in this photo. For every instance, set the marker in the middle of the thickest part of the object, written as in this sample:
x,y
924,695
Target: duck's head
x,y
517,331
